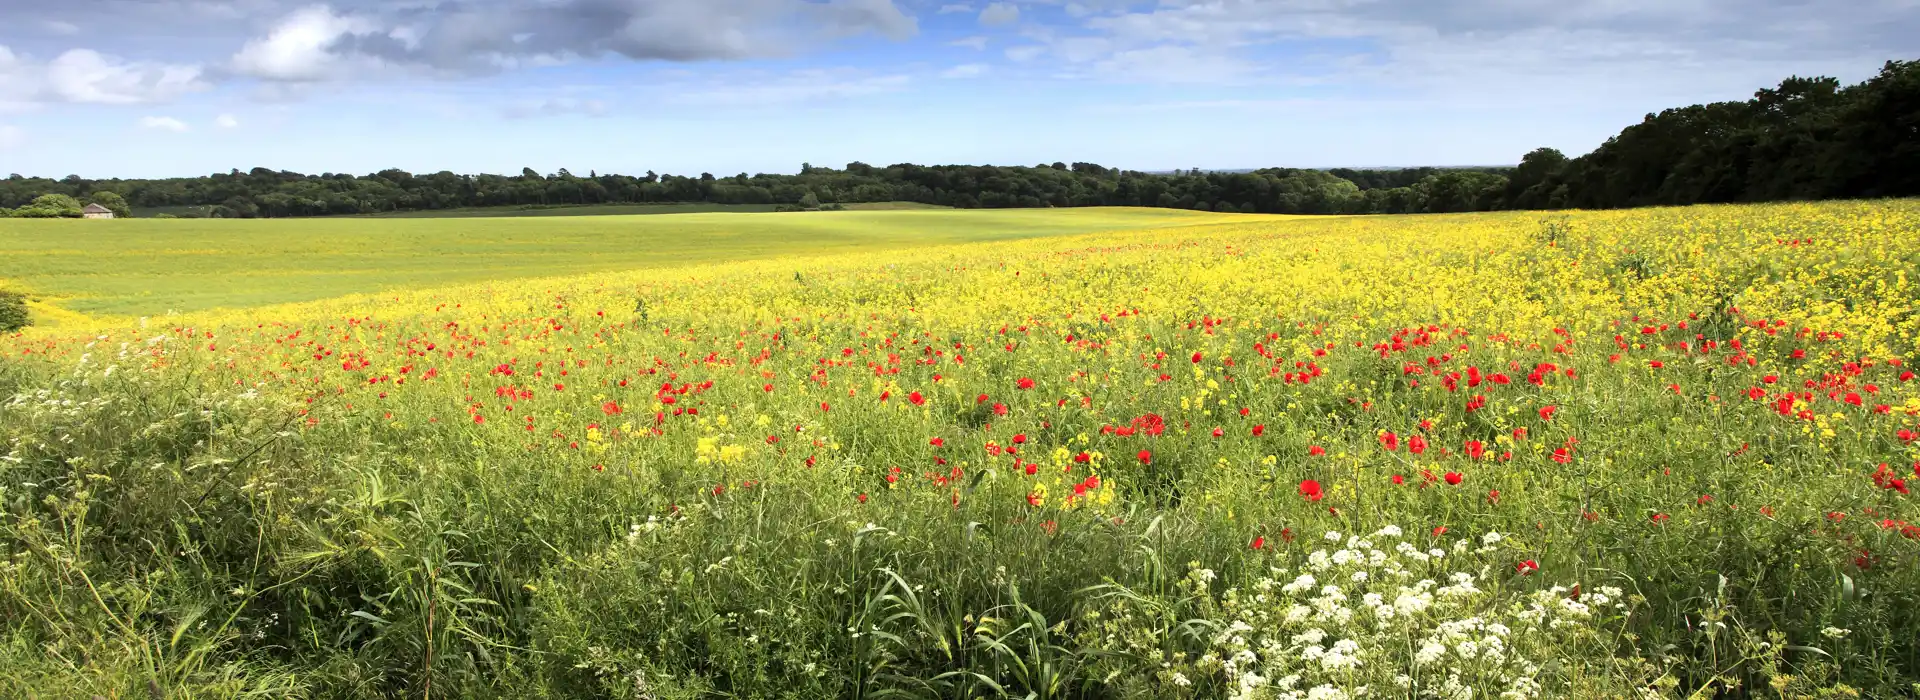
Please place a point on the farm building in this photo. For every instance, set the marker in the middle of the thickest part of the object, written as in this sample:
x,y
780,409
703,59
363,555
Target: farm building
x,y
95,211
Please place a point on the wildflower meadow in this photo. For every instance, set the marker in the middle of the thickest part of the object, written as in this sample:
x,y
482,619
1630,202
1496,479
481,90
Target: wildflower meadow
x,y
1649,453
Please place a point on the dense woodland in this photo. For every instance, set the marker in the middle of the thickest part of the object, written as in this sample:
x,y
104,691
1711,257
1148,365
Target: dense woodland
x,y
1808,138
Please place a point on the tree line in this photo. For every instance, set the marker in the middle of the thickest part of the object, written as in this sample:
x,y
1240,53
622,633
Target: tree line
x,y
1808,138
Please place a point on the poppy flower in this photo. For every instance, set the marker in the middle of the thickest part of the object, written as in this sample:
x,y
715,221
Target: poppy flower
x,y
917,399
1146,457
1310,489
1546,412
1258,543
610,408
1316,450
1258,430
1475,449
1219,432
1390,442
1398,480
1454,478
1196,358
937,442
1526,568
1416,444
1024,383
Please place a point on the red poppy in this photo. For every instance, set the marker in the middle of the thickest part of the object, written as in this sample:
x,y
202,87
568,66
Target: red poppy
x,y
1416,444
1258,430
1389,441
1024,383
766,387
1258,543
1146,457
610,408
1310,489
937,442
1398,480
1316,450
917,399
1475,449
1546,412
1526,568
1219,432
1196,358
1454,478
862,498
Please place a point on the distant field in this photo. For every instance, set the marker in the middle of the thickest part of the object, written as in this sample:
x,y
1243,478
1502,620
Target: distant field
x,y
568,210
150,267
583,210
633,210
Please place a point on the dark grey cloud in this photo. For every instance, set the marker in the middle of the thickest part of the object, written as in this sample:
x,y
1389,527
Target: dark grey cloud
x,y
476,36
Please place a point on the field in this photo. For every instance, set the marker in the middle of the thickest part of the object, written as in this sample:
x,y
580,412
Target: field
x,y
146,267
1648,453
637,209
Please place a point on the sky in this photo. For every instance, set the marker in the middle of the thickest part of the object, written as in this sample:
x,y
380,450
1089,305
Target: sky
x,y
161,88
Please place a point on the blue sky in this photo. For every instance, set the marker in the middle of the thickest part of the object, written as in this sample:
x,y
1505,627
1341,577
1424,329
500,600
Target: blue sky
x,y
145,88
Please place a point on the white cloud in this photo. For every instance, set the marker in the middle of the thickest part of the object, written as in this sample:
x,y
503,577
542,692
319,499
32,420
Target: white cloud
x,y
999,13
163,124
90,77
59,28
1025,53
11,136
954,8
226,121
977,43
1463,48
299,49
795,88
970,70
559,106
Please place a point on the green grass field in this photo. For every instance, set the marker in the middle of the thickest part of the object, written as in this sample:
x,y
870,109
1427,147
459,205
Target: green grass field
x,y
151,267
632,210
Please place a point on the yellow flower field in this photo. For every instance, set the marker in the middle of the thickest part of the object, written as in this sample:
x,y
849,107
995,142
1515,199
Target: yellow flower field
x,y
1598,454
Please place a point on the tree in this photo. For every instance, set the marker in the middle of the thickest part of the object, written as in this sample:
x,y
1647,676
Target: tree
x,y
113,201
1524,185
50,206
808,201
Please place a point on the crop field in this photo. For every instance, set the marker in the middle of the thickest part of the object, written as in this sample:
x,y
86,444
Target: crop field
x,y
1650,453
146,267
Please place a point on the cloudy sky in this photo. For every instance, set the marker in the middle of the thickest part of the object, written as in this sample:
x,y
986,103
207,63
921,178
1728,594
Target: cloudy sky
x,y
140,88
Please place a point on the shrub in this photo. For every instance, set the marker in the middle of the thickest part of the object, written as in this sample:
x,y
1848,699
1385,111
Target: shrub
x,y
13,311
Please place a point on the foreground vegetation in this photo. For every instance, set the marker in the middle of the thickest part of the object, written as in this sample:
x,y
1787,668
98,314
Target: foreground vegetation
x,y
1805,139
1646,453
146,267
